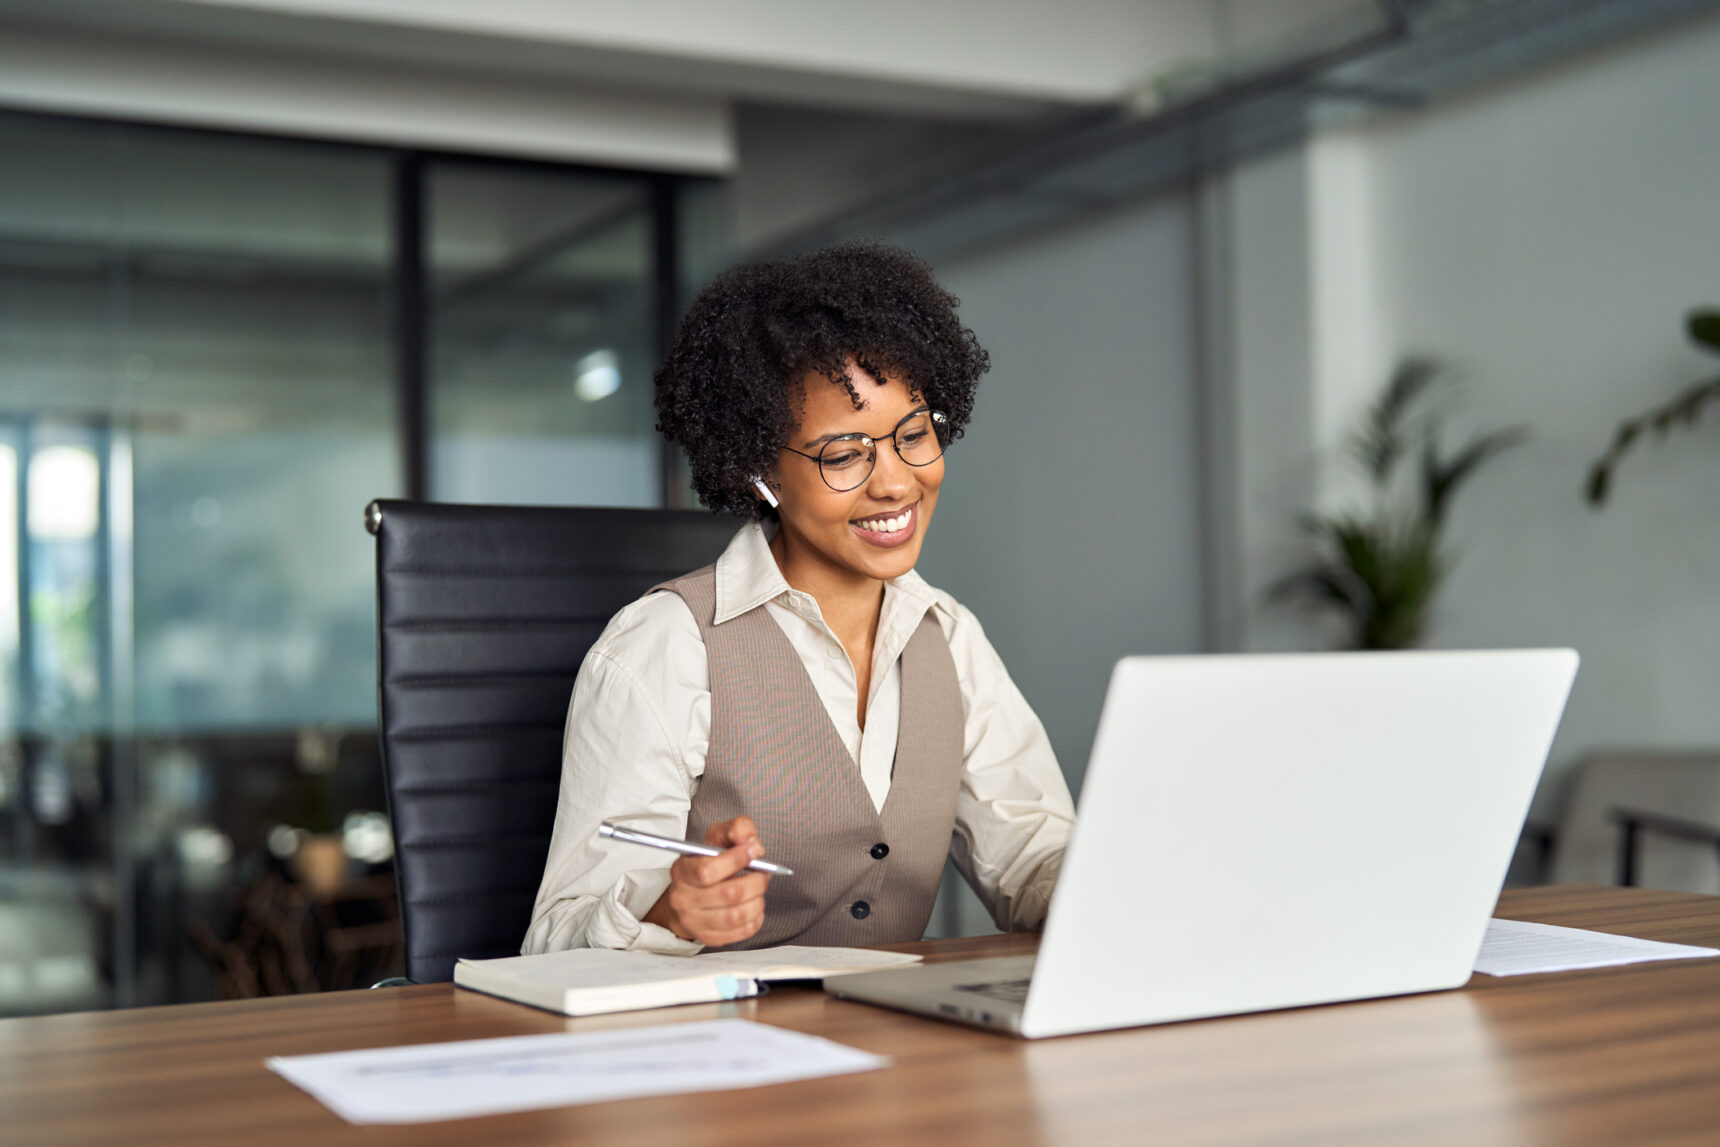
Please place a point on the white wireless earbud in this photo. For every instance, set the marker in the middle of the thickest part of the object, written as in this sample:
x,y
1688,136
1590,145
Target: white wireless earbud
x,y
764,492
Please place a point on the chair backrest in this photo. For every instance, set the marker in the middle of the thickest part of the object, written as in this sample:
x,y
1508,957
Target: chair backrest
x,y
484,614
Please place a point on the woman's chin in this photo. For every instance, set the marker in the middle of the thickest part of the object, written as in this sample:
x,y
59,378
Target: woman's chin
x,y
892,562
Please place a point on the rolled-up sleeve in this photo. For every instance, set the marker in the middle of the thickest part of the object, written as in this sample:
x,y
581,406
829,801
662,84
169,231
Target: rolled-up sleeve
x,y
624,759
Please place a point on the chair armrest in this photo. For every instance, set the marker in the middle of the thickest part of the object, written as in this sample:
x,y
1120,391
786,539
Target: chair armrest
x,y
1540,837
1633,821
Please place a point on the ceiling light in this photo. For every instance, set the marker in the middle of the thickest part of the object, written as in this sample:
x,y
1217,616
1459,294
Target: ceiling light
x,y
597,375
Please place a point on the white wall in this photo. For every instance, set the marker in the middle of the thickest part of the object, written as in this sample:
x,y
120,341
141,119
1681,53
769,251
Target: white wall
x,y
1547,236
1080,50
1299,341
1265,268
264,89
648,83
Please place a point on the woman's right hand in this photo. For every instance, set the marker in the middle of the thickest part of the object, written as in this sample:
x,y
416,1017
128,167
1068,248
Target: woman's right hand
x,y
712,899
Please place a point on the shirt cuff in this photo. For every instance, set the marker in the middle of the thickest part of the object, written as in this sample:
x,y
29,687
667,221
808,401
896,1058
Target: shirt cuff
x,y
658,939
614,925
1032,905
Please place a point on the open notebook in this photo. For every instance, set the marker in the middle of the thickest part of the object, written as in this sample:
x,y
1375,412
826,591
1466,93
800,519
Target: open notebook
x,y
591,981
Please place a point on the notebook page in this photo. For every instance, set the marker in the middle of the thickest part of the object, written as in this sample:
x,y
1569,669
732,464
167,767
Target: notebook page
x,y
797,962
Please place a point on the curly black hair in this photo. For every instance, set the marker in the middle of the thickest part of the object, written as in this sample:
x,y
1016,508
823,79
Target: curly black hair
x,y
727,394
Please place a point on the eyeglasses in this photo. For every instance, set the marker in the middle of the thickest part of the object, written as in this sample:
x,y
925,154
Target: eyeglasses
x,y
846,462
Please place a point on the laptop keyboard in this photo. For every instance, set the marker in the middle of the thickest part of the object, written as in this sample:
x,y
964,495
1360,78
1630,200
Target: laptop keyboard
x,y
1010,991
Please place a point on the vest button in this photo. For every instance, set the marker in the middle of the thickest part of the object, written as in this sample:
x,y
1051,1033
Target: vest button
x,y
860,910
880,850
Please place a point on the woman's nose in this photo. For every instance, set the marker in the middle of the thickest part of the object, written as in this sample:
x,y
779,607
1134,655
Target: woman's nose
x,y
890,475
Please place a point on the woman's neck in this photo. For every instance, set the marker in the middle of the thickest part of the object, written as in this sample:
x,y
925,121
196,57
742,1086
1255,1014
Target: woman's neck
x,y
850,603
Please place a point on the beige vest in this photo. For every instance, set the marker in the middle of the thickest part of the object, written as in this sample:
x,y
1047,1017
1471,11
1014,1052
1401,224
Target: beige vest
x,y
860,876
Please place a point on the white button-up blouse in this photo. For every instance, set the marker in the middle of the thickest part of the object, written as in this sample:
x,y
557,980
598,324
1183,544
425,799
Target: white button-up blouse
x,y
639,724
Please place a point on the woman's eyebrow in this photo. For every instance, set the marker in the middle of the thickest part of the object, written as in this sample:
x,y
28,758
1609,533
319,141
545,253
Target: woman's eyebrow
x,y
834,435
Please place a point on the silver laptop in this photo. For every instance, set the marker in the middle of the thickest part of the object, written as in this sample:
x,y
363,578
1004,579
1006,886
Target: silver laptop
x,y
1272,831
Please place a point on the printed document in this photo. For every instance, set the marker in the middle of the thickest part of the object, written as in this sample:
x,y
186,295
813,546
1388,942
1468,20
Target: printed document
x,y
1516,948
427,1082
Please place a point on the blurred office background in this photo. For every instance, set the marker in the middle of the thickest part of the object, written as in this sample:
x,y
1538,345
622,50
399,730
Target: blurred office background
x,y
264,260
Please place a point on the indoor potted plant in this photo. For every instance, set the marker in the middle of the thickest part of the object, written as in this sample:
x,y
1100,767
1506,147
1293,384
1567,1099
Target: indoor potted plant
x,y
1381,566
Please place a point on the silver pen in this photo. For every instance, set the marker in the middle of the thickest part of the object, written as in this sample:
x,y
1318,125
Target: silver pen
x,y
684,847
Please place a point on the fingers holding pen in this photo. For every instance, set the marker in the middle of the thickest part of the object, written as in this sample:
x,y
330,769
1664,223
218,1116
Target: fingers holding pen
x,y
712,899
713,904
726,912
734,834
715,899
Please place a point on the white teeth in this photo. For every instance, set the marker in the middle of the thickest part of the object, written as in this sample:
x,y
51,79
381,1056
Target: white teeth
x,y
886,525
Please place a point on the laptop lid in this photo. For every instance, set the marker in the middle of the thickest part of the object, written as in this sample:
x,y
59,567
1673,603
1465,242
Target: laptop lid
x,y
1270,831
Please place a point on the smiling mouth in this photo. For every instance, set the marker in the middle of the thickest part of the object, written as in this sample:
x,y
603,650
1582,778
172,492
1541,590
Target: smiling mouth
x,y
887,527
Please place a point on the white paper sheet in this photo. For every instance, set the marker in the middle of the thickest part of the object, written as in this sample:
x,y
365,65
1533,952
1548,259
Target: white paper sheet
x,y
427,1082
1516,948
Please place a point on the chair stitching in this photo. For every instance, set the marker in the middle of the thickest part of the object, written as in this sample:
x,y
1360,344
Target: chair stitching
x,y
497,624
467,897
454,732
448,680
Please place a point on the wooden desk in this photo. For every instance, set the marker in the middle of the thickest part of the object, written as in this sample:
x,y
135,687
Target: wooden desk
x,y
1622,1055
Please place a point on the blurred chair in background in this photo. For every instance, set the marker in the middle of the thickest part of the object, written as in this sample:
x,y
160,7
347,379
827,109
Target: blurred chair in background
x,y
1673,798
290,936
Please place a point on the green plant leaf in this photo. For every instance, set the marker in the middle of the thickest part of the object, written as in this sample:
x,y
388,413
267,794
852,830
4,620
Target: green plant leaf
x,y
1599,485
1442,477
1410,573
1703,325
1323,584
1381,440
1382,570
1684,408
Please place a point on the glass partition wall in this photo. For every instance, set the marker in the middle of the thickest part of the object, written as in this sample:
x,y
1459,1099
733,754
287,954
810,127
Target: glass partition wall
x,y
201,386
542,299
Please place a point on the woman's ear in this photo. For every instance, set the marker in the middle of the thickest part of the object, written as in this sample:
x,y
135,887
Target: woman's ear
x,y
765,492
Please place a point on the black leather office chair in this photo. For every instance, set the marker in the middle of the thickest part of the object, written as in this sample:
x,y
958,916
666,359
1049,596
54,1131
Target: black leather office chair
x,y
484,615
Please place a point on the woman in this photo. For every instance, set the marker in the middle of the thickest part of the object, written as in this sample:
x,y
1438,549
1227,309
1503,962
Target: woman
x,y
809,694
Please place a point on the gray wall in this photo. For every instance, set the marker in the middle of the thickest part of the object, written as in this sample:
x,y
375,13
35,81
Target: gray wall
x,y
1550,236
1068,518
1546,237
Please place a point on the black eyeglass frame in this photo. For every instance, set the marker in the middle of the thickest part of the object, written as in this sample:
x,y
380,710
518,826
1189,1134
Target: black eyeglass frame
x,y
939,421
